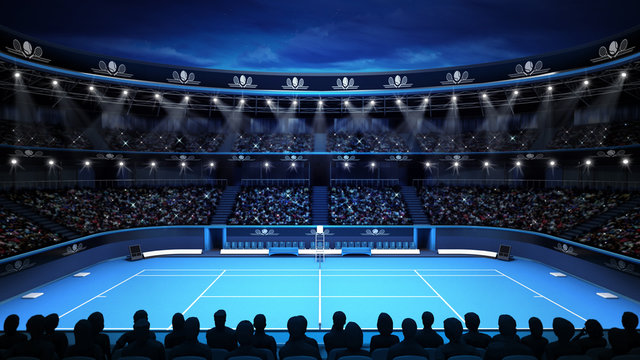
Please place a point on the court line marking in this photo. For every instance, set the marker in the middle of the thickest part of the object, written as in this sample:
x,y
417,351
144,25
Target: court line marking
x,y
319,298
445,301
104,292
313,270
542,296
313,275
324,296
205,290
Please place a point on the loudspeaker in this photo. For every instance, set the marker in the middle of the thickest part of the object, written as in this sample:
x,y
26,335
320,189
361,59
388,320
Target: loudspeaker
x,y
135,253
504,253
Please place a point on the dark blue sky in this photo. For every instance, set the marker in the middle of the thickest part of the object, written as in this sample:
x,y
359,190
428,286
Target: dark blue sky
x,y
321,36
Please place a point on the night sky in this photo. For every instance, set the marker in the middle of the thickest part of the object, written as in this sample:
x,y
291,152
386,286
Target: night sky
x,y
321,36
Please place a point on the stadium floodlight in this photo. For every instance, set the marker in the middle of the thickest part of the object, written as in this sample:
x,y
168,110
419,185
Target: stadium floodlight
x,y
373,164
14,161
454,98
456,164
91,88
294,102
54,83
183,164
486,164
320,102
427,164
346,164
346,103
51,162
484,95
293,164
186,98
16,75
549,88
624,74
586,82
153,164
372,102
516,92
212,164
588,162
626,161
125,93
87,163
269,102
518,163
426,100
121,164
398,101
552,163
215,99
241,101
156,95
266,164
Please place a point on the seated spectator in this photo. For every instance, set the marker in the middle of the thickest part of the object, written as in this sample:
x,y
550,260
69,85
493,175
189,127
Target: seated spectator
x,y
176,336
19,235
455,346
595,337
309,340
427,337
409,345
535,341
564,331
260,339
364,205
353,336
221,336
274,205
335,338
508,343
37,346
11,336
130,336
83,344
630,323
297,345
244,333
144,345
190,346
386,339
97,325
473,337
57,338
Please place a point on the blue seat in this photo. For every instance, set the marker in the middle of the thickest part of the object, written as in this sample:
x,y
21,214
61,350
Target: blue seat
x,y
332,353
379,245
465,357
242,357
260,245
338,245
218,354
355,357
519,357
269,244
380,354
392,245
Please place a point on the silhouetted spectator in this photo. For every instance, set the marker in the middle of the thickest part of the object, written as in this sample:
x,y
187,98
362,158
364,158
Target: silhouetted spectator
x,y
59,339
129,336
535,341
191,346
353,341
97,324
176,336
455,346
473,337
335,338
144,345
83,344
11,335
630,323
221,336
508,343
564,331
427,337
297,343
409,345
244,333
309,340
260,339
37,346
595,337
386,339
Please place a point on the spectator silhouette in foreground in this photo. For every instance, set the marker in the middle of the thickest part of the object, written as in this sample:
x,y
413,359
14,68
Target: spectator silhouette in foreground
x,y
144,345
455,346
353,341
427,337
297,343
83,344
176,336
535,341
386,339
221,336
191,346
309,340
564,331
260,339
129,336
335,338
595,338
630,323
11,336
508,343
244,333
59,339
97,325
473,337
409,345
37,346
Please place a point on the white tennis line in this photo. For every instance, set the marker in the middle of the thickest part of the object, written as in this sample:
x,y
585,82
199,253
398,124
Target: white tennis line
x,y
178,275
325,296
445,301
205,290
326,275
408,270
104,292
319,298
542,296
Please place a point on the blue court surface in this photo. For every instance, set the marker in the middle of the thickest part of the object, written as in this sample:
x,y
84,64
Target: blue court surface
x,y
285,286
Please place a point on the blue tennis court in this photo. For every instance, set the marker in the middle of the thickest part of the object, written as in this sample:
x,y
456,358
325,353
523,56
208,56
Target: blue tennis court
x,y
286,286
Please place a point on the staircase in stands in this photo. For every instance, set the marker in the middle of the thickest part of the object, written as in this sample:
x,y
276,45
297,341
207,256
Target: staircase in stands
x,y
42,221
414,204
226,204
319,205
601,219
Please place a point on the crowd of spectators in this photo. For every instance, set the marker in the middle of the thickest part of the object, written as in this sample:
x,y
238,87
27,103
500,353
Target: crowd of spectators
x,y
550,211
19,235
131,140
620,235
597,135
364,205
273,205
477,142
250,339
89,211
277,142
366,142
42,135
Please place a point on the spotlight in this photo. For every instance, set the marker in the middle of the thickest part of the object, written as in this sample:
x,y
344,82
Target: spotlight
x,y
624,74
454,98
625,161
266,164
549,88
516,92
215,99
51,163
241,101
346,103
54,83
121,164
456,164
14,161
183,164
586,82
186,98
294,102
293,164
87,163
346,165
212,164
426,100
153,164
484,95
588,162
552,163
320,102
373,164
269,102
125,93
372,102
518,163
157,96
427,164
486,164
398,101
16,75
91,88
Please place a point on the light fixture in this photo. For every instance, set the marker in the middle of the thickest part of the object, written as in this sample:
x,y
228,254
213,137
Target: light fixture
x,y
552,163
346,164
183,164
427,164
456,164
484,95
125,92
624,74
14,161
153,164
398,101
373,164
426,100
625,161
372,102
588,162
121,164
87,163
586,82
91,88
51,162
241,101
186,98
266,164
518,163
157,96
486,164
346,103
294,102
16,75
549,88
516,92
269,102
454,98
293,164
212,164
54,83
320,102
215,99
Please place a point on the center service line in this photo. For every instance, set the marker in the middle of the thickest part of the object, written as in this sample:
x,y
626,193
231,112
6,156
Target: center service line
x,y
319,299
205,290
445,301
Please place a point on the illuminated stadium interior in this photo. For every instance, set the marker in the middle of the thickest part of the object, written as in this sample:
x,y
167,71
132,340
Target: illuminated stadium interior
x,y
502,186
